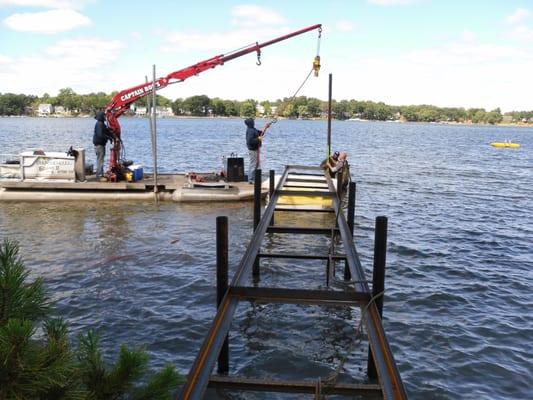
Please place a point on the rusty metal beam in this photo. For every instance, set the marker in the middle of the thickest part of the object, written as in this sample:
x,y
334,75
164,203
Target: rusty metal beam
x,y
318,210
268,385
303,256
300,296
305,193
322,186
301,230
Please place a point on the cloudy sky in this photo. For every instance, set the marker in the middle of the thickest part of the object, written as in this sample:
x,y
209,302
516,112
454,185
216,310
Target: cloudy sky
x,y
447,53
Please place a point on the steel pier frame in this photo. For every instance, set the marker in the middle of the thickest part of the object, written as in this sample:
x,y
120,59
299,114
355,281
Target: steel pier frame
x,y
389,383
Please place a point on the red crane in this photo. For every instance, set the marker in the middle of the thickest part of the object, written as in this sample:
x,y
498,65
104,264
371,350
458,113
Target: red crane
x,y
122,101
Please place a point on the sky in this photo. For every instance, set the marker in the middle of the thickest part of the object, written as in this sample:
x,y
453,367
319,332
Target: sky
x,y
448,53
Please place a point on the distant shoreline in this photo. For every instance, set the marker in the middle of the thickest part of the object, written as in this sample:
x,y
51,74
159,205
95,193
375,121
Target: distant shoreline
x,y
502,124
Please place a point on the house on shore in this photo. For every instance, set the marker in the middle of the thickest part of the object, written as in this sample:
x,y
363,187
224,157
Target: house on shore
x,y
140,111
164,112
45,110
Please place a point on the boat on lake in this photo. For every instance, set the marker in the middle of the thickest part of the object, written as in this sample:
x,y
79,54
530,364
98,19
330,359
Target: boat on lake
x,y
506,144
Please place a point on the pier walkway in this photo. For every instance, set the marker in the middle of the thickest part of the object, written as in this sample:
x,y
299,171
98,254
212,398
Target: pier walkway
x,y
309,190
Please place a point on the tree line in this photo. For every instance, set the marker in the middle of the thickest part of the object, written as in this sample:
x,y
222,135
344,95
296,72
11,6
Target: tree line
x,y
300,107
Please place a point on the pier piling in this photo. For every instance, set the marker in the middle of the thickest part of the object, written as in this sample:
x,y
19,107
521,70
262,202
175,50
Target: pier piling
x,y
257,213
222,285
271,190
378,278
351,222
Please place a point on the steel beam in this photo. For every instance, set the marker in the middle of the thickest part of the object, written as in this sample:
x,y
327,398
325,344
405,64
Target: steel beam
x,y
318,210
303,256
268,385
301,230
307,186
305,193
304,180
300,296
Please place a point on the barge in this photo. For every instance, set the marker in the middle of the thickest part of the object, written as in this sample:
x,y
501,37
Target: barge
x,y
36,175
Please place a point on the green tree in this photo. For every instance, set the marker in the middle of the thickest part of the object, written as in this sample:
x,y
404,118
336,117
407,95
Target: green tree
x,y
288,110
267,107
197,105
15,104
232,108
302,111
314,107
68,99
218,106
494,117
177,107
340,109
248,109
410,113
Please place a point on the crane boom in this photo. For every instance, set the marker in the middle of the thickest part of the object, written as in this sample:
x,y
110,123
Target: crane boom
x,y
122,101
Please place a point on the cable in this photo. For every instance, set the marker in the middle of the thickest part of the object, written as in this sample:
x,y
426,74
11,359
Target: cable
x,y
331,379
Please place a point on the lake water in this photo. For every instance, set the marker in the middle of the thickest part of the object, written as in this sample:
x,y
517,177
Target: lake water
x,y
459,301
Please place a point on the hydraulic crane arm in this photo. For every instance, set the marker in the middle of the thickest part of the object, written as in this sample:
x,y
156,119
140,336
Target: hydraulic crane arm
x,y
123,100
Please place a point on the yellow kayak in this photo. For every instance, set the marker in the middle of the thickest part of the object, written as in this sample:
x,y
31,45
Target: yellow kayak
x,y
505,145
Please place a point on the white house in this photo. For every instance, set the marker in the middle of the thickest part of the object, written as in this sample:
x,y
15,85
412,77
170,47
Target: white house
x,y
140,111
60,110
164,111
45,110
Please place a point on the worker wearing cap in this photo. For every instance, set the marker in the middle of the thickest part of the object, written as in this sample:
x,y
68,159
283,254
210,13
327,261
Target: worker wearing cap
x,y
253,143
339,165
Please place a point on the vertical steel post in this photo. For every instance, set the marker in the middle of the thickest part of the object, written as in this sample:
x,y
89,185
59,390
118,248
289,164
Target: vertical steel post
x,y
257,198
271,191
257,213
154,133
222,284
328,150
378,278
351,216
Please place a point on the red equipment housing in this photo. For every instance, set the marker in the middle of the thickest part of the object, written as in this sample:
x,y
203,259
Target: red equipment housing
x,y
122,101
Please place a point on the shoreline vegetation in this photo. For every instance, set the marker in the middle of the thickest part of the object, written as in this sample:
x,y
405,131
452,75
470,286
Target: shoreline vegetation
x,y
70,104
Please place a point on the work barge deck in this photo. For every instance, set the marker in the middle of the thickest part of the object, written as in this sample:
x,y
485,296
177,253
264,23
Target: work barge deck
x,y
301,189
169,187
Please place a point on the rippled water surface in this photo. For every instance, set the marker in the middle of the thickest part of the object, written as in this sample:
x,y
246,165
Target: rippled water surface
x,y
458,304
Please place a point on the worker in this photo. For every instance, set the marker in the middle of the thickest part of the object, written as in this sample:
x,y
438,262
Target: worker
x,y
254,139
101,135
332,160
339,165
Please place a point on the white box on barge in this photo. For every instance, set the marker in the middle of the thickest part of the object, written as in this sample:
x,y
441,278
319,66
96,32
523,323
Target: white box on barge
x,y
50,165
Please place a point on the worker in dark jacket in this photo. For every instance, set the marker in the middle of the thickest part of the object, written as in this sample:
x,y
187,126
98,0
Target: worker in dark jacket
x,y
101,135
254,138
